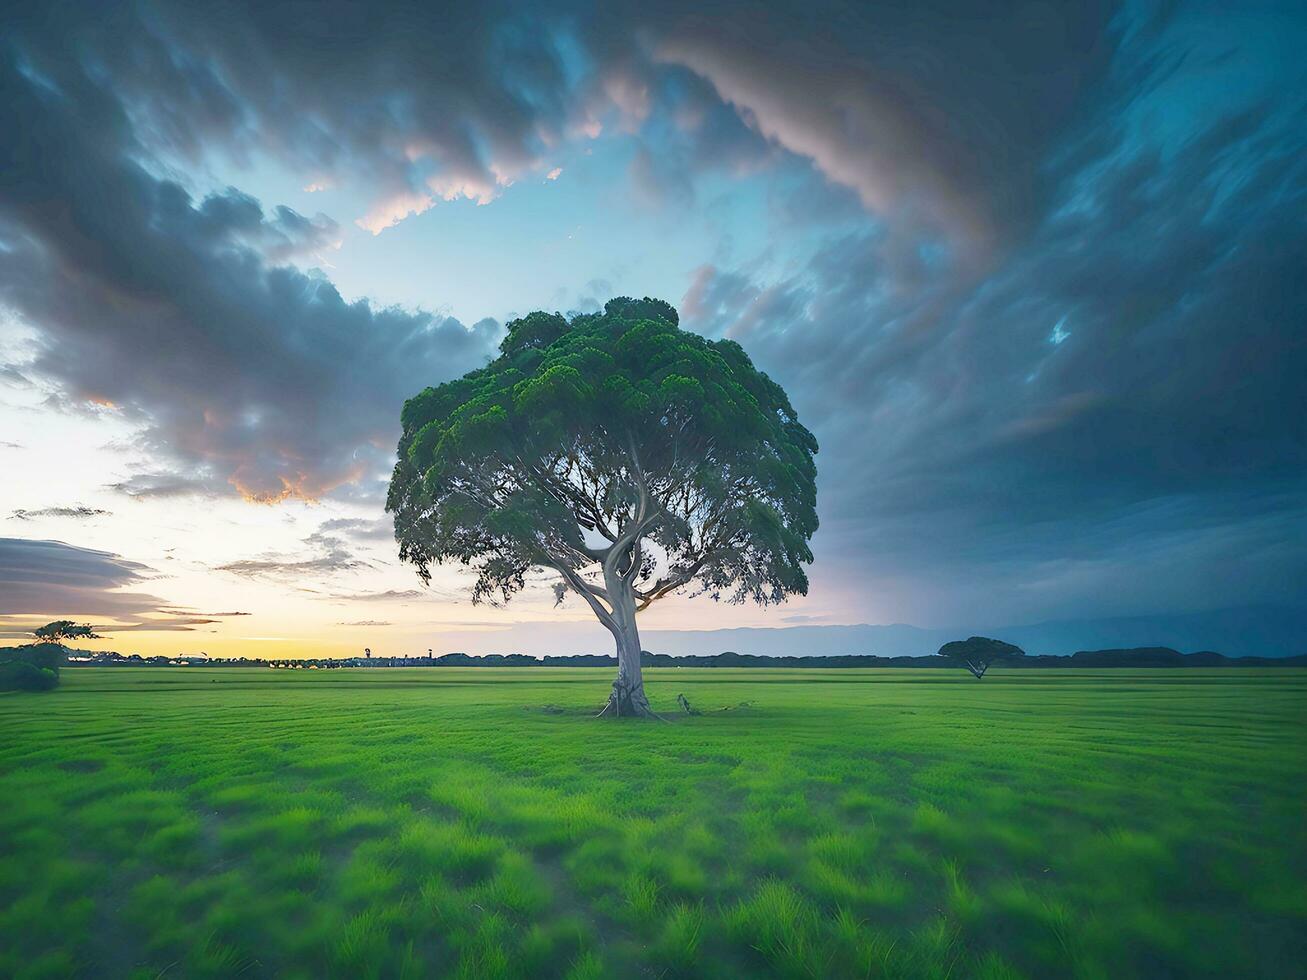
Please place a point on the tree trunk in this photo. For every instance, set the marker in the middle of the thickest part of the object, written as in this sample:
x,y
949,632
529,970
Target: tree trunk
x,y
627,698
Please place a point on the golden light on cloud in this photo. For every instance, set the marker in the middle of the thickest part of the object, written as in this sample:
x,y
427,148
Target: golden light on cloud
x,y
301,486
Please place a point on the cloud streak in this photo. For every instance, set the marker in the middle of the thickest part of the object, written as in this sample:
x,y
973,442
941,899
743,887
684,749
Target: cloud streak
x,y
80,513
333,557
60,579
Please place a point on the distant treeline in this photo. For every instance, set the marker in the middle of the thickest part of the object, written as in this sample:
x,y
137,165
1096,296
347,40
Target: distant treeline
x,y
1136,657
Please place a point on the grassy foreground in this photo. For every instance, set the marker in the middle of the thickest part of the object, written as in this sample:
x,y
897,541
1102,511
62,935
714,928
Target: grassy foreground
x,y
215,822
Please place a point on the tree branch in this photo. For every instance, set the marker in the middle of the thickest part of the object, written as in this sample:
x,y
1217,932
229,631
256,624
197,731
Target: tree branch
x,y
589,593
672,582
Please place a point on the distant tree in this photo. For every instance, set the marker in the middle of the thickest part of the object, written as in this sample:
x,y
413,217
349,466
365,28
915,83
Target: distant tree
x,y
628,456
62,630
978,652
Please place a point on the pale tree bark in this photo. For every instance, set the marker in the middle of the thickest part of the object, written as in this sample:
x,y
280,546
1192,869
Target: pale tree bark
x,y
627,697
617,601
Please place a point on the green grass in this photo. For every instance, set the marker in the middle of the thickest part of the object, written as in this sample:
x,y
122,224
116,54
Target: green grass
x,y
214,822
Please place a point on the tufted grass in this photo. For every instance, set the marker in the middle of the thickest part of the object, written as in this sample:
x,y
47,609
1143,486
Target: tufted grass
x,y
209,822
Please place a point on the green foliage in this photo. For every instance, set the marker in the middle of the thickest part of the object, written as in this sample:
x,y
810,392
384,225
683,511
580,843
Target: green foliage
x,y
19,676
31,668
670,447
63,629
977,653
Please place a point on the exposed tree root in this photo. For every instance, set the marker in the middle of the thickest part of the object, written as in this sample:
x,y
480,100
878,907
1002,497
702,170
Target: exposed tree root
x,y
627,701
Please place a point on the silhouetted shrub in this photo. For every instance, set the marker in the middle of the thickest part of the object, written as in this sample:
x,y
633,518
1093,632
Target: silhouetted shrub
x,y
31,668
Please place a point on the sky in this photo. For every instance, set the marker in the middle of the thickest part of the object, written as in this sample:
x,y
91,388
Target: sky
x,y
1032,273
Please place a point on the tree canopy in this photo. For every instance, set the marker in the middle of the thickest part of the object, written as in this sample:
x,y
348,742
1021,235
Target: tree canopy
x,y
976,653
63,629
611,445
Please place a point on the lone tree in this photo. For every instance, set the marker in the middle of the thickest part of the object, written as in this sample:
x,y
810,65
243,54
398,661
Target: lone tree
x,y
976,653
628,456
62,630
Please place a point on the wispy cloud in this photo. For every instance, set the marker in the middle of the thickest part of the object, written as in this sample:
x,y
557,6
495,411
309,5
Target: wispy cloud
x,y
77,513
360,529
175,624
164,485
388,595
333,557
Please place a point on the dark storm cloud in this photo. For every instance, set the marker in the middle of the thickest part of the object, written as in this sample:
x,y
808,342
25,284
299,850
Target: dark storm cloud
x,y
413,102
1115,414
1052,356
937,115
59,579
170,310
944,111
242,372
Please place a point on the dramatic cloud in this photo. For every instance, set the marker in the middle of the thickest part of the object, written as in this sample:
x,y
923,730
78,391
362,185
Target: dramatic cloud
x,y
1043,312
938,115
250,374
167,308
1114,411
418,104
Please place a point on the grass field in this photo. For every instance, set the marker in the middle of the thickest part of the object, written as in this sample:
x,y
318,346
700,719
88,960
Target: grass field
x,y
216,822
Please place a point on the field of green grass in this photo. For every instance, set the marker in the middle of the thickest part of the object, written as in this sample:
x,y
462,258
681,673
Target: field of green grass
x,y
393,823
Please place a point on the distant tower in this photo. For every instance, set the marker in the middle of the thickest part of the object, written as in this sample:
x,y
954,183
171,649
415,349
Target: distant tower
x,y
367,652
429,653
